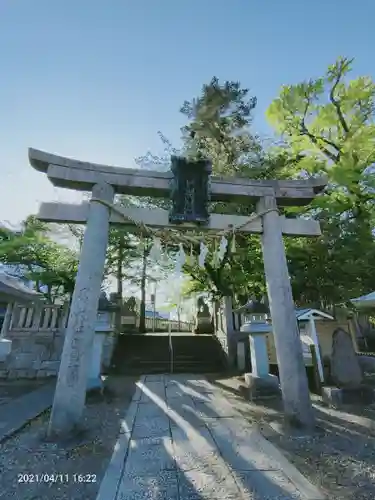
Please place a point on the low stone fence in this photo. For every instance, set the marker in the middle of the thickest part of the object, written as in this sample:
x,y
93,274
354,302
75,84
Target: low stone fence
x,y
37,338
163,325
157,324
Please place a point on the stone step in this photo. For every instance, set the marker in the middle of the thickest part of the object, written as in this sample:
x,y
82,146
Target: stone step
x,y
166,367
189,360
151,354
168,362
160,370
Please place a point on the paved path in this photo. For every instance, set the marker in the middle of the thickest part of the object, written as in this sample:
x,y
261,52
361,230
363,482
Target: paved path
x,y
15,413
182,439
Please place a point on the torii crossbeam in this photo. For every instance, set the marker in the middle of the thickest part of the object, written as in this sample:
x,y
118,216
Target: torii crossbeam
x,y
158,218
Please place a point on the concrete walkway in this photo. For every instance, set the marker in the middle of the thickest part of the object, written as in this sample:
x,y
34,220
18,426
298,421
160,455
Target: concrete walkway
x,y
182,439
18,412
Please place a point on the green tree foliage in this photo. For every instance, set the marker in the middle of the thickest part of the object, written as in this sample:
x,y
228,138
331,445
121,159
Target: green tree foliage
x,y
145,270
42,260
327,128
328,124
121,251
219,128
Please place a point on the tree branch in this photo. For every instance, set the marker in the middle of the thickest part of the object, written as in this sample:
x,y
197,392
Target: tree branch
x,y
196,277
211,272
226,257
335,102
315,139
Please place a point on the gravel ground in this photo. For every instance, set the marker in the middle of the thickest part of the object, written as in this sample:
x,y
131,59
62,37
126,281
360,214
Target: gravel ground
x,y
26,456
339,458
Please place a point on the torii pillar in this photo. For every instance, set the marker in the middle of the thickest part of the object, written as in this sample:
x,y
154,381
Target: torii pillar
x,y
70,394
292,372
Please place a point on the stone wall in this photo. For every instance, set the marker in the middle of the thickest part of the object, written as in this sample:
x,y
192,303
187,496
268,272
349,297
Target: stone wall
x,y
37,354
37,336
225,331
222,338
37,342
33,355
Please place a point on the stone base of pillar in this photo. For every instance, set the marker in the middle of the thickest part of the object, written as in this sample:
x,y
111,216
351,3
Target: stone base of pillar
x,y
335,397
262,387
95,384
94,380
241,356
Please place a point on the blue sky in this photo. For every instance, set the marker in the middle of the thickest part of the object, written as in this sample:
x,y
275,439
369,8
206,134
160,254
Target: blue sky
x,y
96,80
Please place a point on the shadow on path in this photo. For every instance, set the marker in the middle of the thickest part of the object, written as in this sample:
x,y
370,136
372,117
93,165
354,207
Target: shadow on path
x,y
188,442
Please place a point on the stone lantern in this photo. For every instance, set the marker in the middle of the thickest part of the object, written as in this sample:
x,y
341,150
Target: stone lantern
x,y
254,311
257,325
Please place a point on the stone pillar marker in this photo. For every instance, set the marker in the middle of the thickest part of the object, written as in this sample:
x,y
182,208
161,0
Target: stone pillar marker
x,y
70,394
228,326
292,372
314,336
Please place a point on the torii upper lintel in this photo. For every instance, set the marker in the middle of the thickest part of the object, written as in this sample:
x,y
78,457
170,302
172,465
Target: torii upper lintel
x,y
82,176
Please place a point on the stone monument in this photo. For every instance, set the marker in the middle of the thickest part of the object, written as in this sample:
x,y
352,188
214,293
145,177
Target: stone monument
x,y
203,322
129,314
346,374
345,368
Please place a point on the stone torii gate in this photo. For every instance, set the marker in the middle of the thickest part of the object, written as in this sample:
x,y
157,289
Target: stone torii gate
x,y
104,182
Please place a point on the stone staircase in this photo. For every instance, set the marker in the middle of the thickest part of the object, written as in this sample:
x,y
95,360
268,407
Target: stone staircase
x,y
140,354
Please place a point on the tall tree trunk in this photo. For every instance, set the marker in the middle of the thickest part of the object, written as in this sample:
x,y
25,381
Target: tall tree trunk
x,y
49,294
179,318
142,314
119,276
215,314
